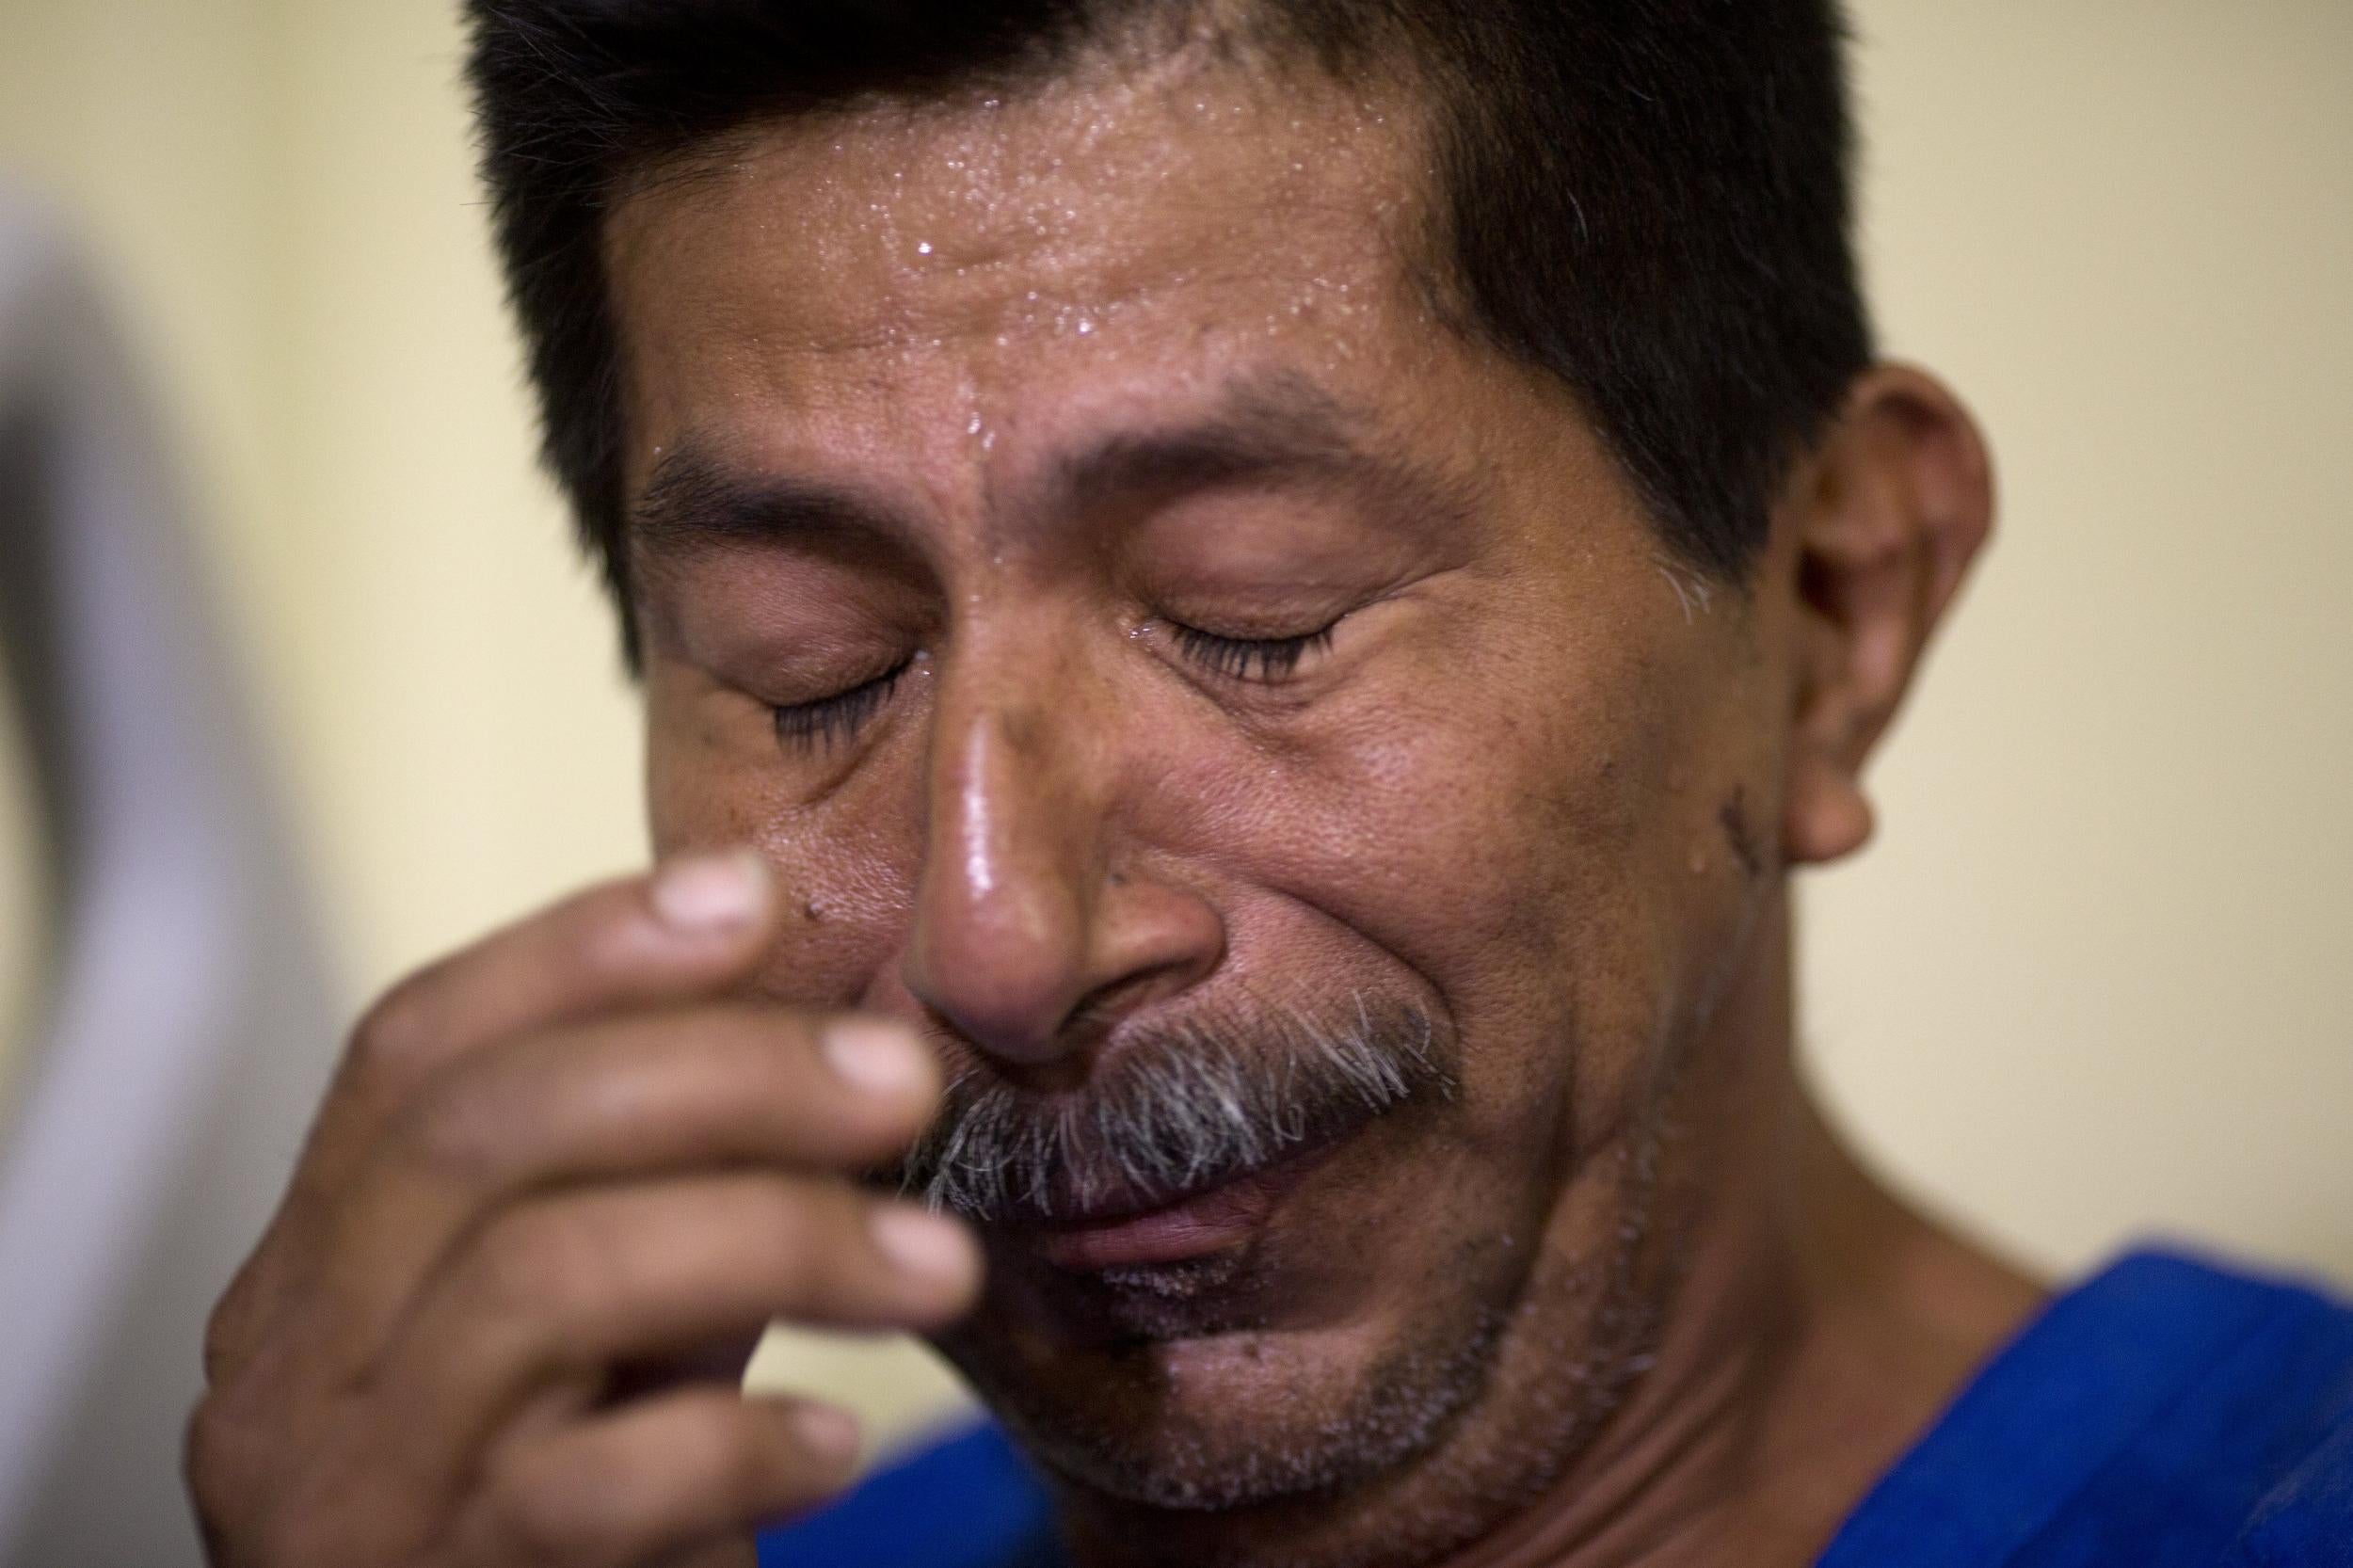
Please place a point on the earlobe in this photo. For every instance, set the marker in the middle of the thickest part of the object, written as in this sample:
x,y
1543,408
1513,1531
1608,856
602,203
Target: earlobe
x,y
1894,507
1829,817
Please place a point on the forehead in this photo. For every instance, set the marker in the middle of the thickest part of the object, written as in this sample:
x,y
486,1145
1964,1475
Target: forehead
x,y
1117,227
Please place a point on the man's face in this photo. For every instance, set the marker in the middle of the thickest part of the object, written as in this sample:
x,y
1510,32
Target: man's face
x,y
1074,549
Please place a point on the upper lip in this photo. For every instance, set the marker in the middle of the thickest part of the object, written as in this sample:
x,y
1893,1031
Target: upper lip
x,y
1111,1203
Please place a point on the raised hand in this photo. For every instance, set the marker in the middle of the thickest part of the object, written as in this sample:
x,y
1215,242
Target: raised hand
x,y
547,1163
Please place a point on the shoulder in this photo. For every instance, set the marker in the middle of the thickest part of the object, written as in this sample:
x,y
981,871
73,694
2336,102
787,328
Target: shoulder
x,y
2167,1410
966,1501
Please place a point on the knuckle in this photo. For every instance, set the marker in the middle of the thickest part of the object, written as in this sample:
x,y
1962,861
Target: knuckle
x,y
462,1135
204,1458
274,1486
398,1028
720,1451
583,941
227,1331
802,1223
822,1255
752,1469
220,1458
546,1262
251,1309
604,937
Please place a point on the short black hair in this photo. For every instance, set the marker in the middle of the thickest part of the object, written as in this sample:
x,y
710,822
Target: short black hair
x,y
1649,199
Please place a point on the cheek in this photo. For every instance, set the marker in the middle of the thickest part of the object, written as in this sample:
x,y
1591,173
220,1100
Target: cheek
x,y
1484,818
844,862
1512,828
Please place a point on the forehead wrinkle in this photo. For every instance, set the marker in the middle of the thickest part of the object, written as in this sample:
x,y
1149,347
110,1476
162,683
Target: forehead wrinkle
x,y
1268,429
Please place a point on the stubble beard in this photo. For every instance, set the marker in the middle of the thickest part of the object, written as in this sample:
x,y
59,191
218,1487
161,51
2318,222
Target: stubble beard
x,y
1163,1490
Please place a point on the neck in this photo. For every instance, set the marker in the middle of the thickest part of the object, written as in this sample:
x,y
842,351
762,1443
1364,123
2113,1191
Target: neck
x,y
1821,1325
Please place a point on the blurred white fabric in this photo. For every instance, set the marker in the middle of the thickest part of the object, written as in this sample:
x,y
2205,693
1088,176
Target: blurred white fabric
x,y
182,1022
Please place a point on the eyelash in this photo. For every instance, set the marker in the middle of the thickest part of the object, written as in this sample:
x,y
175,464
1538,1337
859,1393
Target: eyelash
x,y
1263,660
815,725
812,726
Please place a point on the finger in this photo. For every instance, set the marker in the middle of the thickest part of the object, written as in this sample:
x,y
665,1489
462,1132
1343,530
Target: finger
x,y
652,1482
692,927
557,1290
701,1089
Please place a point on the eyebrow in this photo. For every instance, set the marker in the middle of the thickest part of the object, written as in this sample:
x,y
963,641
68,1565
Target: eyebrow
x,y
1273,430
693,501
1269,431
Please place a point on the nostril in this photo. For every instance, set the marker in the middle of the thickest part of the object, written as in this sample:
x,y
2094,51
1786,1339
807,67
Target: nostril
x,y
1024,1021
1003,969
1099,1011
1061,1073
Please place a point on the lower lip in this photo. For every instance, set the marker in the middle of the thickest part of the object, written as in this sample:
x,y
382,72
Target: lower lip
x,y
1196,1227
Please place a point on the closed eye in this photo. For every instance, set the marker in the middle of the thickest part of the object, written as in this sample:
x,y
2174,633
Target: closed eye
x,y
1256,659
817,725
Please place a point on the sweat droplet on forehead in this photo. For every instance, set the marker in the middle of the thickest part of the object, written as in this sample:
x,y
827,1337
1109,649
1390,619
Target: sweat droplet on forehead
x,y
942,295
1088,190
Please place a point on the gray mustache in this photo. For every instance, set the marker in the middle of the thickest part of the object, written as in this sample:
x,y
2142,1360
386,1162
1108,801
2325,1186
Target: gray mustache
x,y
1191,1106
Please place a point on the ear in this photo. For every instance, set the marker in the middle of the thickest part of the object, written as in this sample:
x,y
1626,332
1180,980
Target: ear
x,y
1891,509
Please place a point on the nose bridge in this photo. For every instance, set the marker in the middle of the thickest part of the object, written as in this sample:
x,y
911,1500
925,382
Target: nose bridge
x,y
1007,904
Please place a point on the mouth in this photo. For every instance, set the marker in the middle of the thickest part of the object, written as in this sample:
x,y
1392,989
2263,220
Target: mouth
x,y
1197,1225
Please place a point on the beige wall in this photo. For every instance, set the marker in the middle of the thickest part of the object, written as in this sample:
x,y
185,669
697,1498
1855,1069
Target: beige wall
x,y
2088,981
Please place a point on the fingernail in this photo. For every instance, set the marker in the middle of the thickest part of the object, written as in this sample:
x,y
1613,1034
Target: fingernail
x,y
919,1242
876,1058
702,894
829,1433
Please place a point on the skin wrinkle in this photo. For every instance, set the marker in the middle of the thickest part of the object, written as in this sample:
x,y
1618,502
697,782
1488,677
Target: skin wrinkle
x,y
1531,1318
1273,431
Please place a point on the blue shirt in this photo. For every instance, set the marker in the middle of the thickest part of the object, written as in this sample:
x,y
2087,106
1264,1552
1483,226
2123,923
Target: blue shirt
x,y
2164,1414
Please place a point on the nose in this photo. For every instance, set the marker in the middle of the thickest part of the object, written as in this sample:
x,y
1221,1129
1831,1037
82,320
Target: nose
x,y
1035,925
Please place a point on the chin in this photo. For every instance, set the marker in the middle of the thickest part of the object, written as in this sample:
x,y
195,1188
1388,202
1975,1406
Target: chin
x,y
1194,1404
1253,1364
